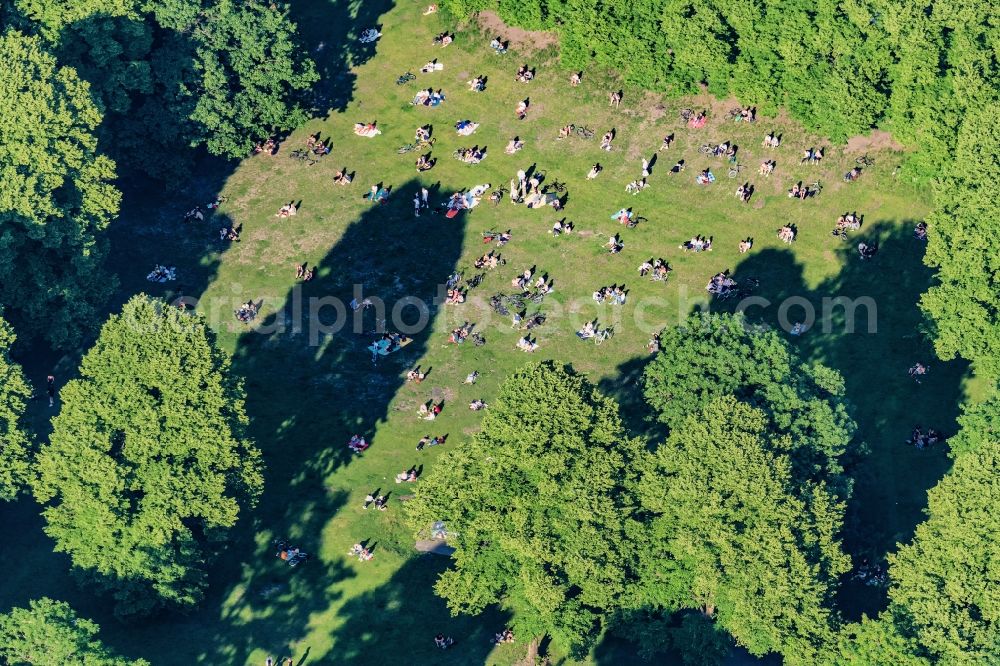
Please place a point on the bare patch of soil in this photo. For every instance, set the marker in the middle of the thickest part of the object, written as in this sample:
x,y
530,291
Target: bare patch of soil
x,y
877,140
521,40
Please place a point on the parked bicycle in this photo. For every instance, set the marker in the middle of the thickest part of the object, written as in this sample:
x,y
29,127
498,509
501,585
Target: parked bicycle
x,y
605,334
405,78
584,132
418,145
864,160
303,155
735,169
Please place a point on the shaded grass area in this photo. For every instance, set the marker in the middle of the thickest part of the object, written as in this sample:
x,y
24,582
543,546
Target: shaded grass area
x,y
306,396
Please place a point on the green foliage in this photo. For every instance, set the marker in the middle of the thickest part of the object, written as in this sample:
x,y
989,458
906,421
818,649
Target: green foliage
x,y
730,530
715,355
147,465
945,582
56,195
538,504
874,642
839,68
14,442
964,247
177,74
250,72
50,633
980,424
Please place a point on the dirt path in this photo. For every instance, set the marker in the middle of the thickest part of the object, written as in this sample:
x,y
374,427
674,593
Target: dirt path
x,y
520,40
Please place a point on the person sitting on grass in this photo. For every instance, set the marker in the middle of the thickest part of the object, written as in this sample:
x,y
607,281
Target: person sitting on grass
x,y
916,371
594,170
498,46
526,345
358,444
697,244
514,145
443,642
424,163
477,405
522,109
786,234
429,413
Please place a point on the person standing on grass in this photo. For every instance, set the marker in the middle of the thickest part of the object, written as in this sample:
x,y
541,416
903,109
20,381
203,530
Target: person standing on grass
x,y
423,197
416,205
51,390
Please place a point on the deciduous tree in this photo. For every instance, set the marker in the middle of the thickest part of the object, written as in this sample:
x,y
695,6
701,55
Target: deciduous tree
x,y
537,505
944,592
50,633
964,246
148,462
728,528
14,442
710,356
56,196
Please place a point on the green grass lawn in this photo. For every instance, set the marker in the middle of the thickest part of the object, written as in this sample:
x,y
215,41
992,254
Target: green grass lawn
x,y
305,399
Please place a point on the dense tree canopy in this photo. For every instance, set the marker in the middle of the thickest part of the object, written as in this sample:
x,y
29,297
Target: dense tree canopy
x,y
728,528
14,443
964,247
169,75
49,633
148,464
710,356
916,67
538,505
980,423
55,195
945,583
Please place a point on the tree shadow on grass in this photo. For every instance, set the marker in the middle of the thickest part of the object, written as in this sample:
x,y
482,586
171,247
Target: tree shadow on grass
x,y
626,388
311,384
397,623
891,479
330,30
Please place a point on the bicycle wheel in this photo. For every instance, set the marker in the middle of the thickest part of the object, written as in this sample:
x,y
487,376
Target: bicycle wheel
x,y
735,171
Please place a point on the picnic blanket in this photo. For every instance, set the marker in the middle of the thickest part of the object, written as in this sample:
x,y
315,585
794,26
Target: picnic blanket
x,y
538,200
386,347
366,130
